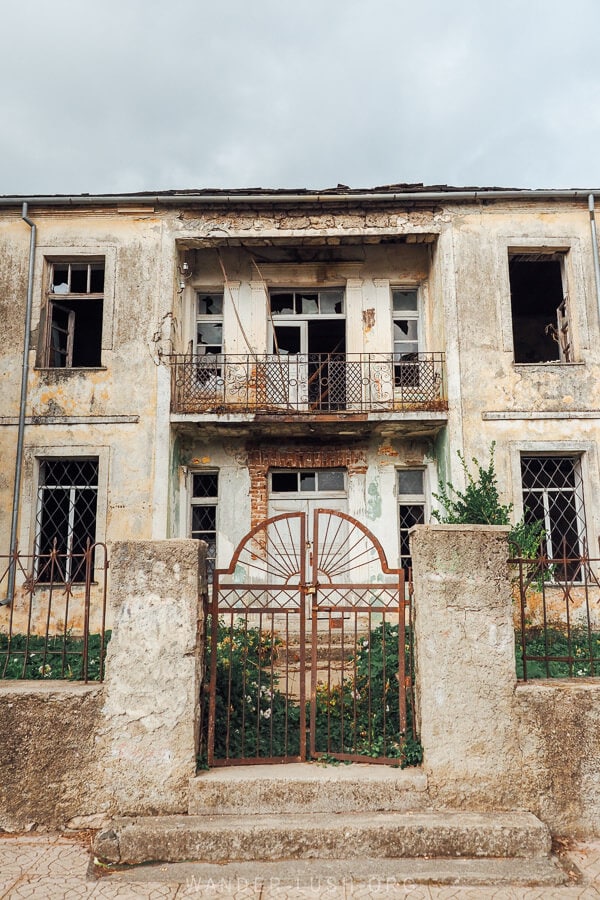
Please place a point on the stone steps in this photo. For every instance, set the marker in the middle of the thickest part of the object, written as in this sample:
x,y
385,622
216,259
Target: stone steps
x,y
306,825
338,878
359,835
304,787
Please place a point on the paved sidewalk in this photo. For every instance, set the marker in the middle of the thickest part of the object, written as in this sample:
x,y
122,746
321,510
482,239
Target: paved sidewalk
x,y
58,867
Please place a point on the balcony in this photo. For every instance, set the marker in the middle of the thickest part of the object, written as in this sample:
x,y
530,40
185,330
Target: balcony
x,y
313,385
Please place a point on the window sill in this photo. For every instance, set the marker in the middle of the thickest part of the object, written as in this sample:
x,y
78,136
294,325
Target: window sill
x,y
544,365
62,370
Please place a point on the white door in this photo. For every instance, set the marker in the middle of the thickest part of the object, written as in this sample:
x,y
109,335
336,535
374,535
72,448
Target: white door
x,y
287,366
304,490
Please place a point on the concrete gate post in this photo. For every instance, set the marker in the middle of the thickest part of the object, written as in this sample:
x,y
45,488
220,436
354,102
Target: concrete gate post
x,y
465,663
150,719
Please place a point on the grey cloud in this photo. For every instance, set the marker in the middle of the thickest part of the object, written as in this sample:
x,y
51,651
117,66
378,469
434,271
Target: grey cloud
x,y
152,95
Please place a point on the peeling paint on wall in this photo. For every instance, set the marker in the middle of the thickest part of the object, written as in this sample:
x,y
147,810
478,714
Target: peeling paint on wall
x,y
368,318
373,501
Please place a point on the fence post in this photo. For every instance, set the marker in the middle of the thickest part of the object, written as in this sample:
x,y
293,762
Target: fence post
x,y
465,663
150,719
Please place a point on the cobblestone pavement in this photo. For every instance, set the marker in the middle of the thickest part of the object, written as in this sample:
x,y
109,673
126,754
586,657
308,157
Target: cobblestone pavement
x,y
57,867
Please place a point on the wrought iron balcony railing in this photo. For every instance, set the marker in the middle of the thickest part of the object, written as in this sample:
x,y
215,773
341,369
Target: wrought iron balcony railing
x,y
310,383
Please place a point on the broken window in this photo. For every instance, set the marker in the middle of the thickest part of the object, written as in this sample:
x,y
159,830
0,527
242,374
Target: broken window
x,y
553,496
66,517
540,316
308,334
205,496
328,302
209,335
74,315
405,306
411,510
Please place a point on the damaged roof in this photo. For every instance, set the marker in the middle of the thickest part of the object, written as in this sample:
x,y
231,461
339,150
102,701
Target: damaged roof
x,y
400,191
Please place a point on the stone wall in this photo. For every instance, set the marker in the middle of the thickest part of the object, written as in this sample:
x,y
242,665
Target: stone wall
x,y
148,732
82,752
48,767
75,753
465,663
559,753
490,743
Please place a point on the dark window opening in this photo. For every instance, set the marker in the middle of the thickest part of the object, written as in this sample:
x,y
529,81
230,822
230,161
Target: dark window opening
x,y
75,312
312,481
539,309
75,334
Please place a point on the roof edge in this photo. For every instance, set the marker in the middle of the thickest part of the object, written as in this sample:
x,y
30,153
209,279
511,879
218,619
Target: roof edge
x,y
260,197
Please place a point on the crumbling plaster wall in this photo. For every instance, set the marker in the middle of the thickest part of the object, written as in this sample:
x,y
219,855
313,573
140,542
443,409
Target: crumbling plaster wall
x,y
244,465
75,753
550,405
123,406
368,271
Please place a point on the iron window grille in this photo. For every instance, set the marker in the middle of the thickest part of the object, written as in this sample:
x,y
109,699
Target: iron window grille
x,y
553,495
204,503
74,315
411,510
66,518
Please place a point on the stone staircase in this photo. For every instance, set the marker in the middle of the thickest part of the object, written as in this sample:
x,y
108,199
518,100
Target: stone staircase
x,y
300,824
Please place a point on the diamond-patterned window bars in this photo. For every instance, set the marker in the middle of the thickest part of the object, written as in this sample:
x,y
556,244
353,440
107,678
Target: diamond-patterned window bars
x,y
411,510
66,516
553,495
205,495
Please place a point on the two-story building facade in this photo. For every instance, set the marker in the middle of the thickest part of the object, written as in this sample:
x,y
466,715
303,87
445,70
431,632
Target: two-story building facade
x,y
197,362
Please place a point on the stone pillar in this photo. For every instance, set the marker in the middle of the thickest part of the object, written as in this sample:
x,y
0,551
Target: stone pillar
x,y
465,663
147,738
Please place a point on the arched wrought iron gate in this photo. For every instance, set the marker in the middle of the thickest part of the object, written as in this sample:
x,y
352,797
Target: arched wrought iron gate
x,y
309,646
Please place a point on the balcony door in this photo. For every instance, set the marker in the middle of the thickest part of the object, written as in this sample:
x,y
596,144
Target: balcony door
x,y
308,350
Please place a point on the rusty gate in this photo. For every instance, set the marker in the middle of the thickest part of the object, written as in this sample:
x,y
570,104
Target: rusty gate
x,y
310,646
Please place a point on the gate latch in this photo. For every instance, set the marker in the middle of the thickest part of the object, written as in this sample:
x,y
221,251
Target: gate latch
x,y
311,589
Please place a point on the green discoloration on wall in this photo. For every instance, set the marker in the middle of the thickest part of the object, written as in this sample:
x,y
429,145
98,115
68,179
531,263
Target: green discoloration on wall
x,y
174,505
373,501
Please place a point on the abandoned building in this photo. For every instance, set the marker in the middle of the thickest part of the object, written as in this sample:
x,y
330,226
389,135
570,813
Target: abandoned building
x,y
196,362
288,376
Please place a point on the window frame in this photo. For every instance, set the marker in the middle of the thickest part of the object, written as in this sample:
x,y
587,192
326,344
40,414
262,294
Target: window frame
x,y
562,321
212,501
577,492
55,300
39,505
299,494
405,560
209,319
406,371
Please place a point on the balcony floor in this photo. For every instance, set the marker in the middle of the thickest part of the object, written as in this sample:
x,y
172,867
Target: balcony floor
x,y
413,423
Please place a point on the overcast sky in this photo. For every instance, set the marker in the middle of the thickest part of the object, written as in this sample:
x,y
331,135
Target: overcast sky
x,y
126,95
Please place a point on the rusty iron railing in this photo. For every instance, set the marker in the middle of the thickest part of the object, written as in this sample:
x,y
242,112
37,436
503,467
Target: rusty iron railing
x,y
557,617
56,624
309,647
311,383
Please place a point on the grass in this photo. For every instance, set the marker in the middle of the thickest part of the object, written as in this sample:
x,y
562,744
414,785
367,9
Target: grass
x,y
580,647
57,656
